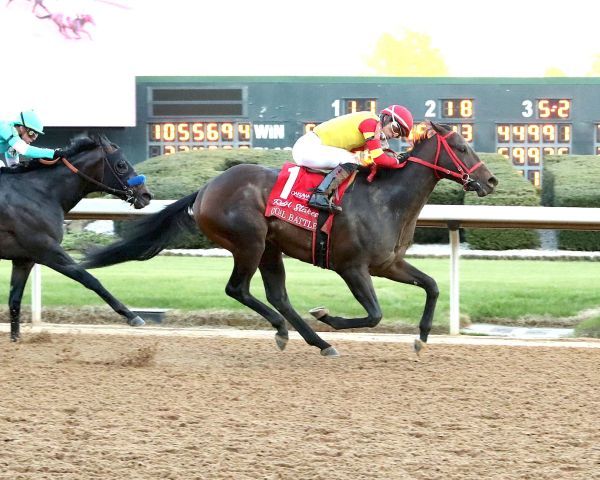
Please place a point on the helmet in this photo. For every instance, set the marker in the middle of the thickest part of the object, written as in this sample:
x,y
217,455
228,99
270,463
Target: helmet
x,y
400,115
29,119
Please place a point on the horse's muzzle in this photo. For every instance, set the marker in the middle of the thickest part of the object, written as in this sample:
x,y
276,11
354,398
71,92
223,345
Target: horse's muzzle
x,y
141,197
481,189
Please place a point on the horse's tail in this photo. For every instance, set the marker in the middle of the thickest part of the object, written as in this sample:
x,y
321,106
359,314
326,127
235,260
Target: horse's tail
x,y
148,236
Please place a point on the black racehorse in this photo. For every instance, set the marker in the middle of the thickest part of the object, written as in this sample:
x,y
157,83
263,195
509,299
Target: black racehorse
x,y
369,237
34,199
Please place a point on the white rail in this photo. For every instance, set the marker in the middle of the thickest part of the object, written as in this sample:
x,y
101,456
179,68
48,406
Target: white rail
x,y
452,217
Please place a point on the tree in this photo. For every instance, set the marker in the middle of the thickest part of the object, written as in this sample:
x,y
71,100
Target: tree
x,y
595,71
554,72
410,56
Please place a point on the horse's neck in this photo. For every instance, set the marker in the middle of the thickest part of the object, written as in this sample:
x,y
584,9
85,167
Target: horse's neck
x,y
410,187
56,184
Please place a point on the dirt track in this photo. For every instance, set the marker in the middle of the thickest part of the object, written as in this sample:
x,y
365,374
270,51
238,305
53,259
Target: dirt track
x,y
141,407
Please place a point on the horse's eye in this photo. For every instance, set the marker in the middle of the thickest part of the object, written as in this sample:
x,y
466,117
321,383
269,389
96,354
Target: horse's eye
x,y
121,166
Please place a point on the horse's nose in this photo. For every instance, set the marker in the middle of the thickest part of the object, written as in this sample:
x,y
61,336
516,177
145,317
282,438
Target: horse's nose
x,y
492,182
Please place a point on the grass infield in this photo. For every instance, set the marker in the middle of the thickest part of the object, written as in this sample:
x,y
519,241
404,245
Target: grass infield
x,y
491,290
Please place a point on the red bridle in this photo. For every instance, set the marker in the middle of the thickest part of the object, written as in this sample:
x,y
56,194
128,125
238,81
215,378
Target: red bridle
x,y
463,172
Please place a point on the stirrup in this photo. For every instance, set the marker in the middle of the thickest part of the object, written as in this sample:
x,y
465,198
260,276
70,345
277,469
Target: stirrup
x,y
321,202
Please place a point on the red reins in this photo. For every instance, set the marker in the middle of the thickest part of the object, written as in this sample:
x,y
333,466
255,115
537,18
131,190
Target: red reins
x,y
463,172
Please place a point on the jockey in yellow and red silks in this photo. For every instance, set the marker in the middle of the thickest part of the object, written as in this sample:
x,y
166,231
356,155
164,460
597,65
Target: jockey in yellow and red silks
x,y
344,143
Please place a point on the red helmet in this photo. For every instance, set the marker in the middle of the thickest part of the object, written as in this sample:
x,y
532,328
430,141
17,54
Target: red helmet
x,y
401,115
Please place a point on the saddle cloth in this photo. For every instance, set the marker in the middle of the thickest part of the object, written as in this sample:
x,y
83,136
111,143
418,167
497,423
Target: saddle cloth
x,y
289,198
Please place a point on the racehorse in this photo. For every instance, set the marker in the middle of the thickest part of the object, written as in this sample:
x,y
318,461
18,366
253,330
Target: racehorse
x,y
65,24
35,198
369,237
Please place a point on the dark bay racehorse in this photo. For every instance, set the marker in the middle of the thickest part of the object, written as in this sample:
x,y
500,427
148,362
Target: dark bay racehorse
x,y
34,199
368,238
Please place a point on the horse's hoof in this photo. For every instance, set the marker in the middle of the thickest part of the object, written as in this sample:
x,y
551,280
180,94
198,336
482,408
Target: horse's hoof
x,y
14,339
330,352
136,321
419,346
319,312
281,341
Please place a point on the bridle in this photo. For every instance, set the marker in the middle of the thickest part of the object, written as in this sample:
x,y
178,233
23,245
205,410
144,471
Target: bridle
x,y
462,173
126,193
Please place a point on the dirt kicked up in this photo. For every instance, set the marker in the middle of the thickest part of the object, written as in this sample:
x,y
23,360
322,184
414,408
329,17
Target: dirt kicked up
x,y
142,407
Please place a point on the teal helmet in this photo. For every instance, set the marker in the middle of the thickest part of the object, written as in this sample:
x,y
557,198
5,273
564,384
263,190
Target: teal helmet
x,y
29,119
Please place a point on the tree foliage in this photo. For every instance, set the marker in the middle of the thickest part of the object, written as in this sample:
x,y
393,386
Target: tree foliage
x,y
410,55
595,71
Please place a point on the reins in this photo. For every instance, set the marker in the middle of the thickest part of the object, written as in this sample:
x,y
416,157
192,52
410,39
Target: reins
x,y
463,172
126,193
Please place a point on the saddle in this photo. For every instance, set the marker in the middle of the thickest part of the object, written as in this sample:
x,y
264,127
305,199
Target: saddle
x,y
288,201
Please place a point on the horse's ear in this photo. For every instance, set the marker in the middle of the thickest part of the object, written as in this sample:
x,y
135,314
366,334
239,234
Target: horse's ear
x,y
438,128
106,143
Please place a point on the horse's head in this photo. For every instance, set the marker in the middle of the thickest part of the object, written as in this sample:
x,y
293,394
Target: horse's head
x,y
102,163
450,156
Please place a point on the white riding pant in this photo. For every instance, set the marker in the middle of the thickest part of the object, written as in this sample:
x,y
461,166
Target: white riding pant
x,y
309,151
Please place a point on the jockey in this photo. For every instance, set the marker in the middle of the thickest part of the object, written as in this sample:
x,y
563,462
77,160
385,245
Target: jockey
x,y
344,143
16,137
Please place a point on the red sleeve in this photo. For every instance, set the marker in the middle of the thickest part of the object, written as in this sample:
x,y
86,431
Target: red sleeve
x,y
369,129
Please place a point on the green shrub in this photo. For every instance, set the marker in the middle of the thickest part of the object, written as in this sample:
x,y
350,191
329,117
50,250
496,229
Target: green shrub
x,y
81,241
589,328
564,177
512,189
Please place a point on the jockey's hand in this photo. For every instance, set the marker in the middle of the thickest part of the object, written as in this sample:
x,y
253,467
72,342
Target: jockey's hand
x,y
402,157
371,176
58,153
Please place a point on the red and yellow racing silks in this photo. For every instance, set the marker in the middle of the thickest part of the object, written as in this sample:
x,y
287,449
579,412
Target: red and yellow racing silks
x,y
356,132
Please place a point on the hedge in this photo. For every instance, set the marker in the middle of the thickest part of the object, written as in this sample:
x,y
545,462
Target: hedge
x,y
512,189
573,181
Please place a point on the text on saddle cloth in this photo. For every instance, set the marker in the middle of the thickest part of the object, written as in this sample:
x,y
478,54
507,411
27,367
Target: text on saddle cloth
x,y
288,199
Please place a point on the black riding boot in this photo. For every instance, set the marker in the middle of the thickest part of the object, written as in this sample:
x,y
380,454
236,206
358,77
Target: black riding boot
x,y
320,199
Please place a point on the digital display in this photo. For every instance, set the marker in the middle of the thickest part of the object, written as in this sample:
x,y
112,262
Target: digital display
x,y
165,138
533,133
309,127
361,105
457,108
552,108
352,105
526,144
464,129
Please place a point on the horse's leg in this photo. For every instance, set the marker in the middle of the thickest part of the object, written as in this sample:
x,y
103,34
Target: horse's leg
x,y
404,272
246,263
360,284
273,275
57,259
20,273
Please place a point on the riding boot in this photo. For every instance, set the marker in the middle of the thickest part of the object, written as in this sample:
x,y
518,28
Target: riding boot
x,y
321,198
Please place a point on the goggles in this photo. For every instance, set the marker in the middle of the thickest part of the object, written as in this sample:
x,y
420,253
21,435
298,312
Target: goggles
x,y
398,129
32,133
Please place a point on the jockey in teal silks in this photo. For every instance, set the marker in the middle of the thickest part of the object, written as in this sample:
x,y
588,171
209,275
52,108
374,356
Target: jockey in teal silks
x,y
16,137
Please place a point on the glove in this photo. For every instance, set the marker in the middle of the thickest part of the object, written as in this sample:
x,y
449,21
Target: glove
x,y
58,153
402,157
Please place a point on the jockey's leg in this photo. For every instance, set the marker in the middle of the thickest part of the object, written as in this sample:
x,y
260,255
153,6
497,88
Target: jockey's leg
x,y
320,199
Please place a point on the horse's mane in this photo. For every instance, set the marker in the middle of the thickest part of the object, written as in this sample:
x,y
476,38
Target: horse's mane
x,y
427,131
78,144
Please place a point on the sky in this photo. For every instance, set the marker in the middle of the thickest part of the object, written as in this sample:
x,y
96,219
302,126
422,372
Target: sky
x,y
92,79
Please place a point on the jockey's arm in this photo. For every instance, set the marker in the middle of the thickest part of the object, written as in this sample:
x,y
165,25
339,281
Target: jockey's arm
x,y
14,140
370,130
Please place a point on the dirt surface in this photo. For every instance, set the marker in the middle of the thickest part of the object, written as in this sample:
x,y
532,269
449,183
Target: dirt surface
x,y
141,407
